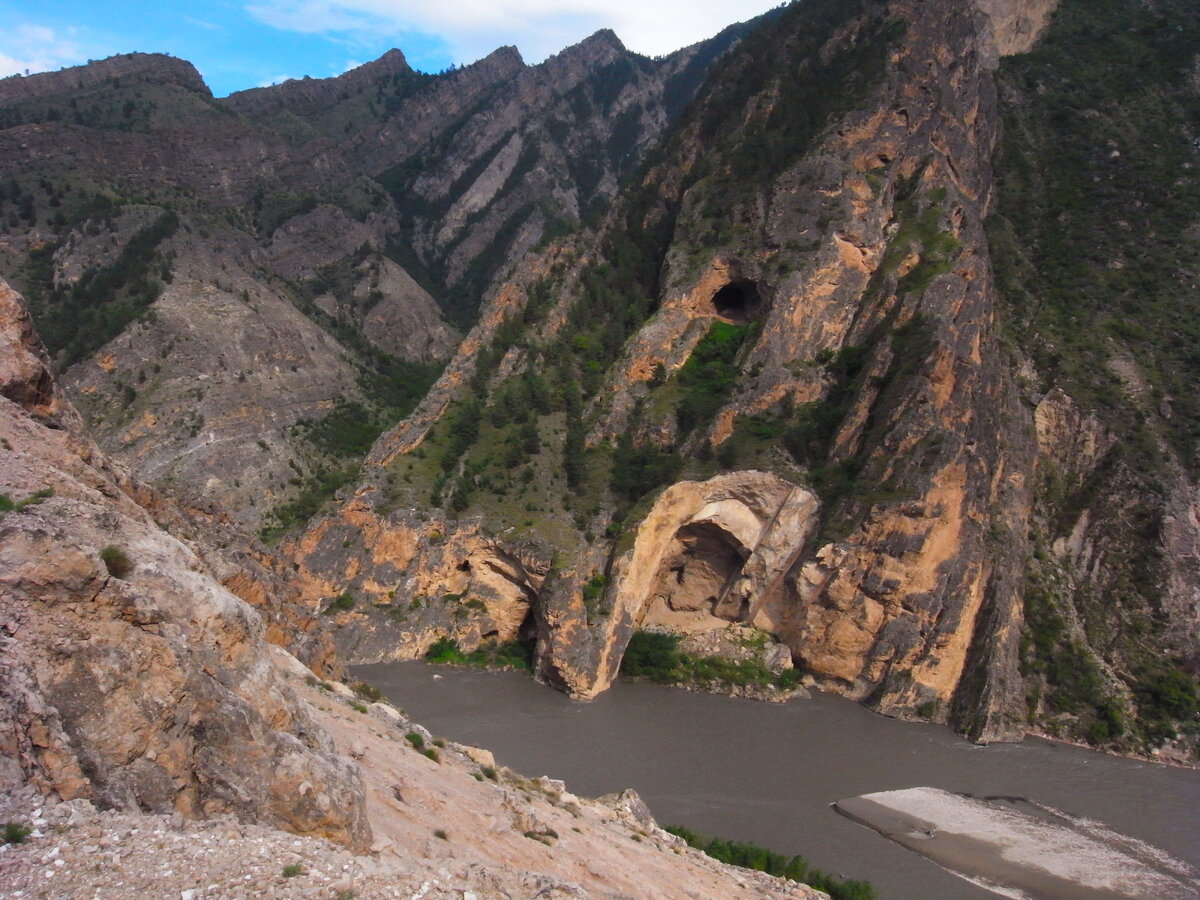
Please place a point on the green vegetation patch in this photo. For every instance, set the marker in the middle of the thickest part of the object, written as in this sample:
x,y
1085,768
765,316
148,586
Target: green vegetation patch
x,y
489,655
7,504
74,322
1096,242
760,859
115,561
709,375
655,656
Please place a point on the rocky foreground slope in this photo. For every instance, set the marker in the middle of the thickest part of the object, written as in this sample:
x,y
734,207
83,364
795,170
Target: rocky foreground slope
x,y
153,740
443,830
130,676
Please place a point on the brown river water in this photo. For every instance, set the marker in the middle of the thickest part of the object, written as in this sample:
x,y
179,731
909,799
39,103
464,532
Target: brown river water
x,y
767,773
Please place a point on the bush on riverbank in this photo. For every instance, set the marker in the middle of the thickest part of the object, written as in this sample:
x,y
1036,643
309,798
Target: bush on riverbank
x,y
752,856
655,655
488,655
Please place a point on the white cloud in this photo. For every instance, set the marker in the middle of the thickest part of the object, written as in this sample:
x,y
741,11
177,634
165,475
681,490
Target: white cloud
x,y
275,79
473,28
202,23
37,49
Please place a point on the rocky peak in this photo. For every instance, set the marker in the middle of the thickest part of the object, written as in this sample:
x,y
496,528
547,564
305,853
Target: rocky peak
x,y
152,68
305,96
601,43
593,52
392,61
501,63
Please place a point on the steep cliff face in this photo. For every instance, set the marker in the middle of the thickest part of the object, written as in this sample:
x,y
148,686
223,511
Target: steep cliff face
x,y
130,676
802,284
240,291
1096,262
847,241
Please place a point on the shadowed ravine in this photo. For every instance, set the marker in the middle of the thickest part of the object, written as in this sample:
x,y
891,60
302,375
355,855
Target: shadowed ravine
x,y
706,762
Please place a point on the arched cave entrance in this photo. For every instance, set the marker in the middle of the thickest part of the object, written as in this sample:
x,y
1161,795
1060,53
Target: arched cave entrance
x,y
739,301
702,563
528,632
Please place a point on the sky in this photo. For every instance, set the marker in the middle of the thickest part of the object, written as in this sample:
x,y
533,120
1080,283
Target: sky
x,y
239,44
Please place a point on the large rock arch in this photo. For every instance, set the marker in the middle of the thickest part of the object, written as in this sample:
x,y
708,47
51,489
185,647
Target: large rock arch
x,y
709,554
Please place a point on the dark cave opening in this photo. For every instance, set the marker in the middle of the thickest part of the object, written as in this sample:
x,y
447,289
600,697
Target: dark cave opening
x,y
528,632
739,301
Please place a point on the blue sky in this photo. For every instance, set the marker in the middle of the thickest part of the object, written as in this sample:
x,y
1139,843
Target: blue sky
x,y
238,44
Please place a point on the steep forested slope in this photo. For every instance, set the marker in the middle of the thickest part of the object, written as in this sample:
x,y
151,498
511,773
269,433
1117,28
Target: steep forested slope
x,y
1097,246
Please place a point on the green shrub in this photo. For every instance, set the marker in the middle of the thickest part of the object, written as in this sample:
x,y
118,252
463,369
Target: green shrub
x,y
444,650
292,870
653,655
752,856
7,504
115,561
367,692
341,603
15,832
416,739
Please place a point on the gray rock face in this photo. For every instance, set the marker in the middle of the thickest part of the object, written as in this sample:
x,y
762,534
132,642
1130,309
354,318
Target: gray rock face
x,y
365,202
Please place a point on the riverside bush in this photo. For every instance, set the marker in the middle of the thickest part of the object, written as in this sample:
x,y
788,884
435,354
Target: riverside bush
x,y
655,656
752,856
490,654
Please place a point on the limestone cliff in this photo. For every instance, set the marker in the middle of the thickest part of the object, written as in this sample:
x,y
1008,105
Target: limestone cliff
x,y
851,242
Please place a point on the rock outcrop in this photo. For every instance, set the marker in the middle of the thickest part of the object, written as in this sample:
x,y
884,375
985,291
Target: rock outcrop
x,y
705,556
128,675
414,578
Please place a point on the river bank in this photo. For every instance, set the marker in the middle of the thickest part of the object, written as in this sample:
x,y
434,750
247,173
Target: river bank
x,y
767,773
